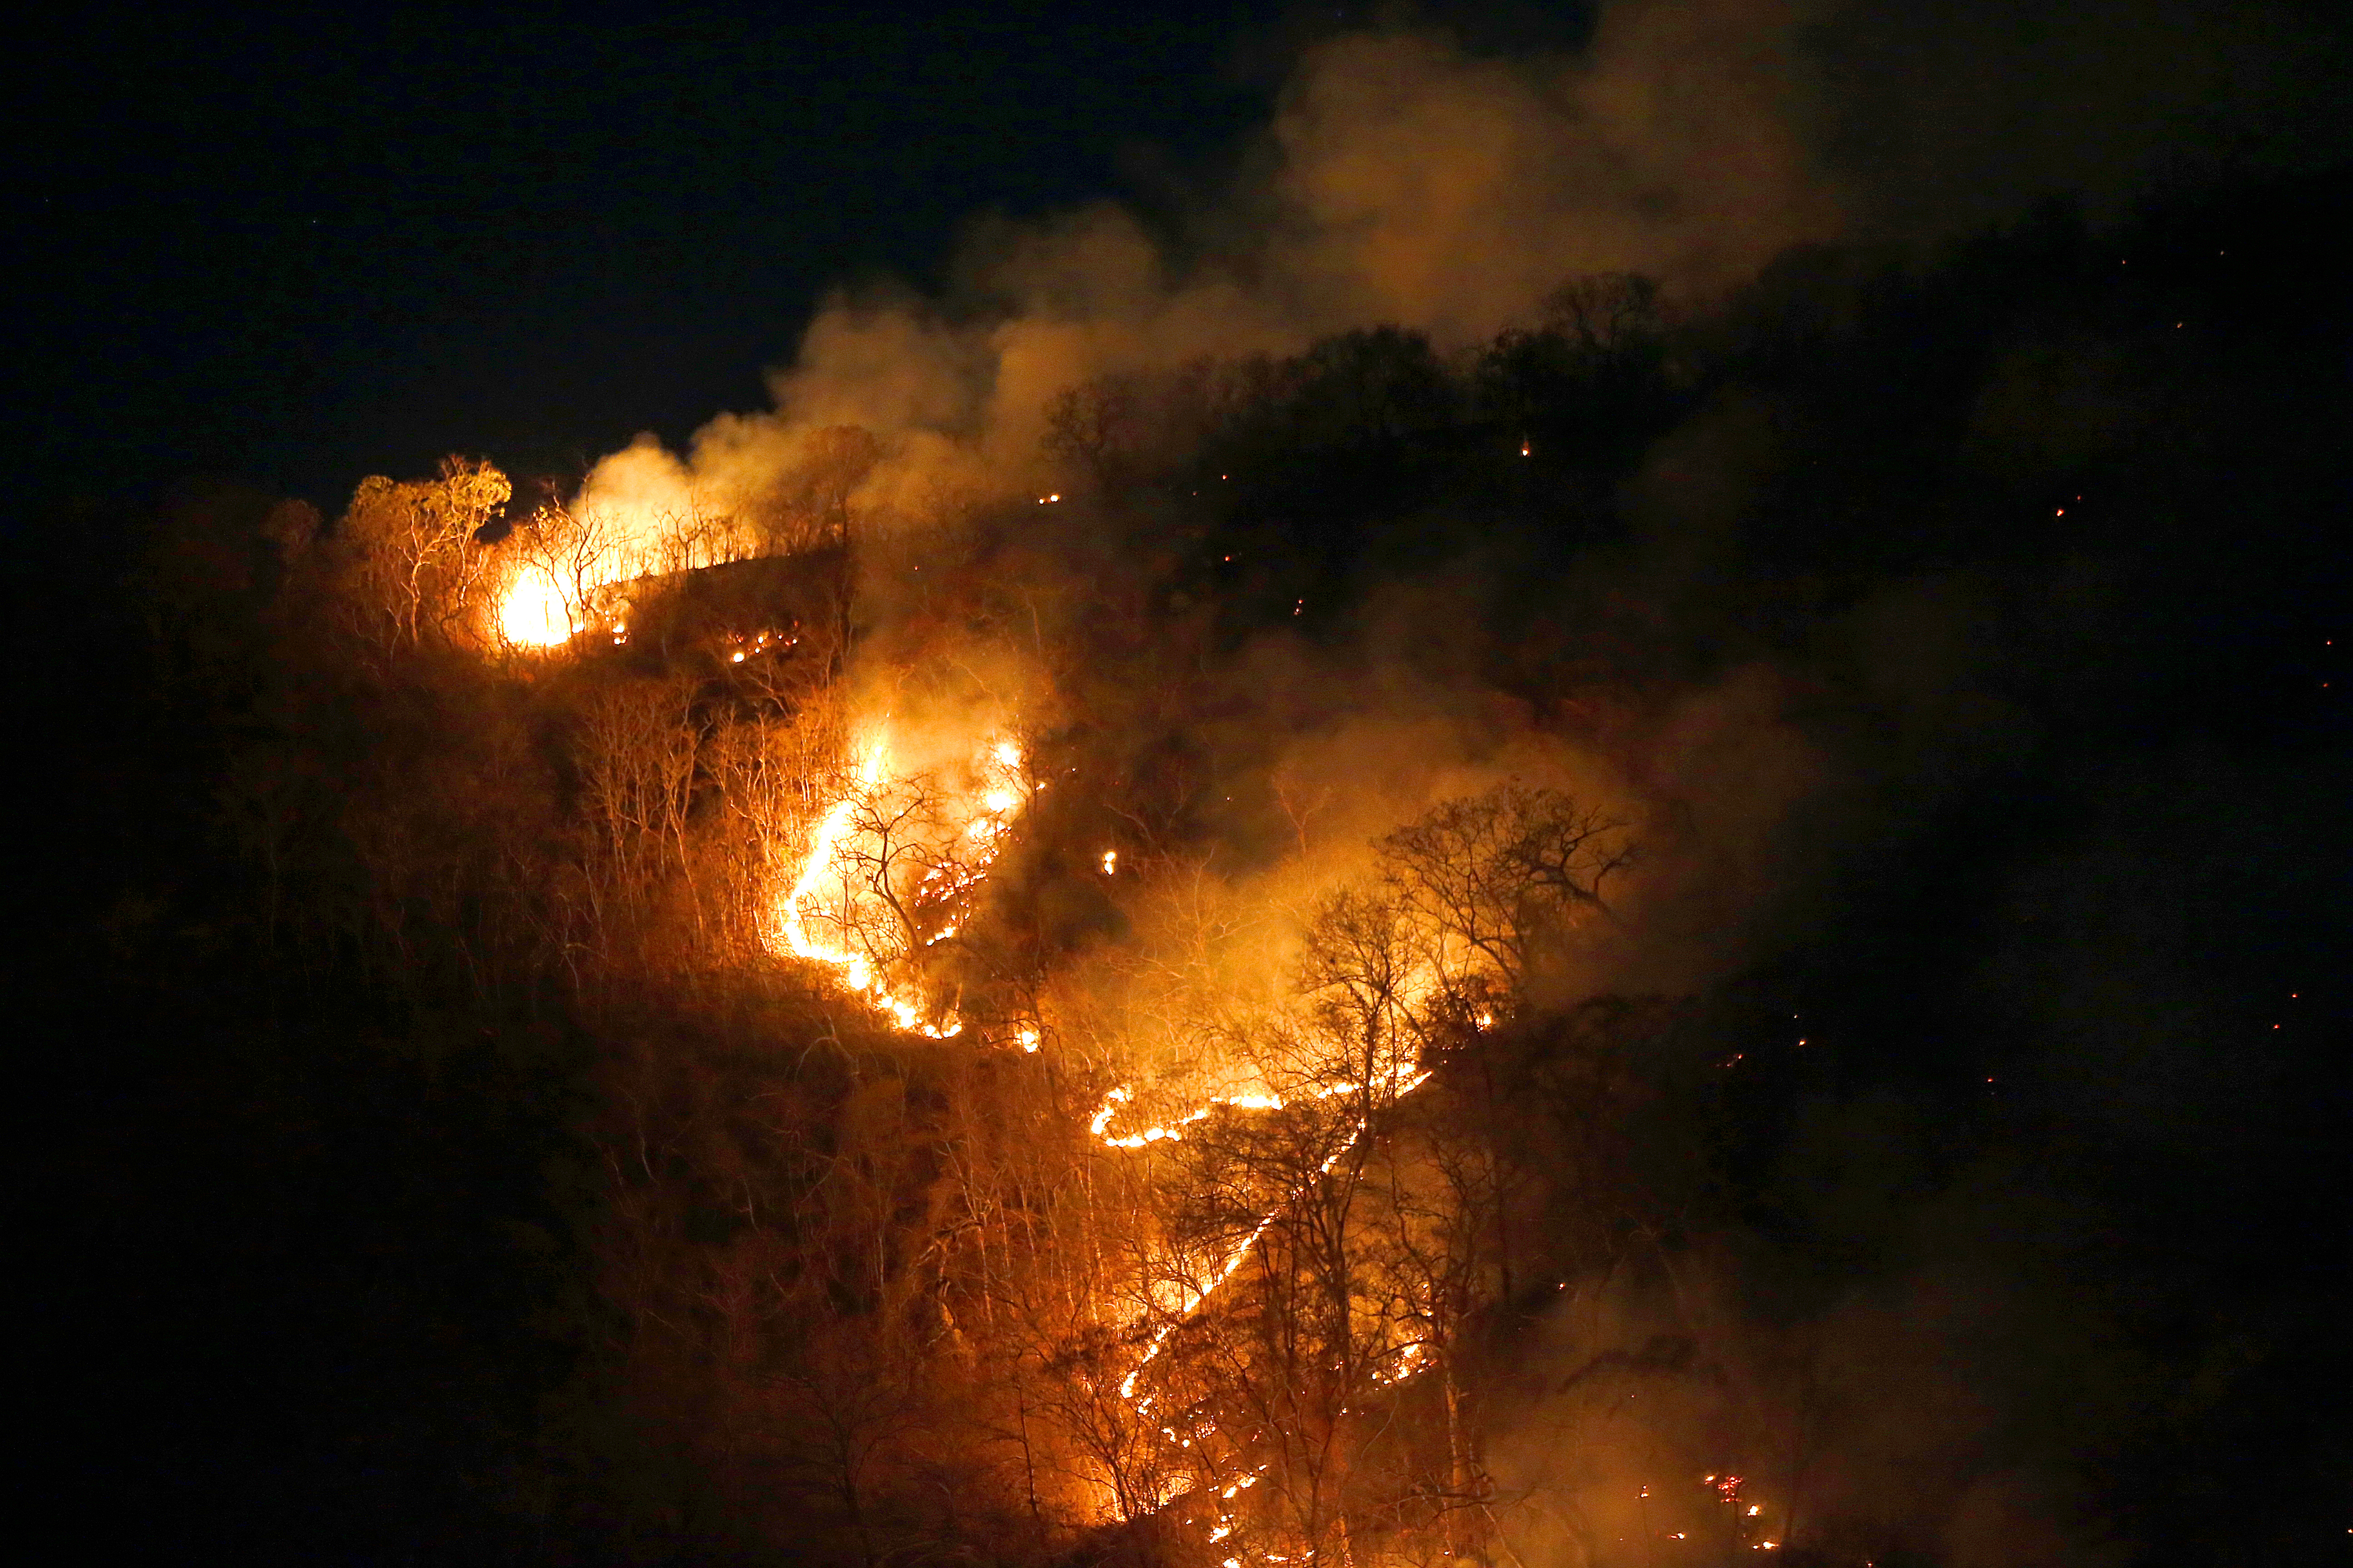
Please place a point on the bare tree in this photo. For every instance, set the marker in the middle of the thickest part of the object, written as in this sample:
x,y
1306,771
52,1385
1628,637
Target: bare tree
x,y
1503,876
695,537
412,568
570,555
1603,312
833,462
638,749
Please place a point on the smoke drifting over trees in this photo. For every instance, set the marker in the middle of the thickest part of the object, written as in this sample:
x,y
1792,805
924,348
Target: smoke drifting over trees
x,y
1408,179
1557,840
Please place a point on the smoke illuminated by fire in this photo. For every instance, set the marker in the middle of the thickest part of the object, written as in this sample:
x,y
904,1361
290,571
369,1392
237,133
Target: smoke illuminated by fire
x,y
847,908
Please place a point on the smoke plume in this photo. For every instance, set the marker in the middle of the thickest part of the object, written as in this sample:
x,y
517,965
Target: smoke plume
x,y
1402,180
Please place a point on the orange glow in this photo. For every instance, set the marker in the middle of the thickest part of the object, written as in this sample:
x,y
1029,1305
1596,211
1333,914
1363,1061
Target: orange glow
x,y
533,614
856,964
833,914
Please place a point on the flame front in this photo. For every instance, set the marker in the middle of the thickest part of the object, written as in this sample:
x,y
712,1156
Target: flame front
x,y
792,921
848,931
956,869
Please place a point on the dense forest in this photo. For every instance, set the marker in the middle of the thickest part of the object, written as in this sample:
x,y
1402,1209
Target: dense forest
x,y
1703,929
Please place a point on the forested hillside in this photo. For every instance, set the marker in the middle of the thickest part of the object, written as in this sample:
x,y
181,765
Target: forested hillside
x,y
1707,927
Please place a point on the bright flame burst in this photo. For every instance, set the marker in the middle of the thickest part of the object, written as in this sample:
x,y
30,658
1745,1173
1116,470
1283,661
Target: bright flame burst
x,y
533,614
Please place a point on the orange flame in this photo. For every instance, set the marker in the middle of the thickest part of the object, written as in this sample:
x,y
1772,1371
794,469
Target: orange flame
x,y
856,968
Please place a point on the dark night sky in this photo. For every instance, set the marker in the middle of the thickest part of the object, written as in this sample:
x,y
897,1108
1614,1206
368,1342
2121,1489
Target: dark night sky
x,y
298,251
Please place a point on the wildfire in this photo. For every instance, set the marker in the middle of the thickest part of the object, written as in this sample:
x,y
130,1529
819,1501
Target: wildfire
x,y
836,839
1401,1083
1192,1300
533,614
1224,1272
824,917
1411,1359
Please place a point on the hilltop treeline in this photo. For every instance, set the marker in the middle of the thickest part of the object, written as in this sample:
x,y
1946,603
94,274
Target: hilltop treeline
x,y
455,1171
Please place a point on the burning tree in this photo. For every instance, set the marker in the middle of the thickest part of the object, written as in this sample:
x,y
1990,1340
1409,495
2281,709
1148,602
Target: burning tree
x,y
560,558
891,867
1327,1245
